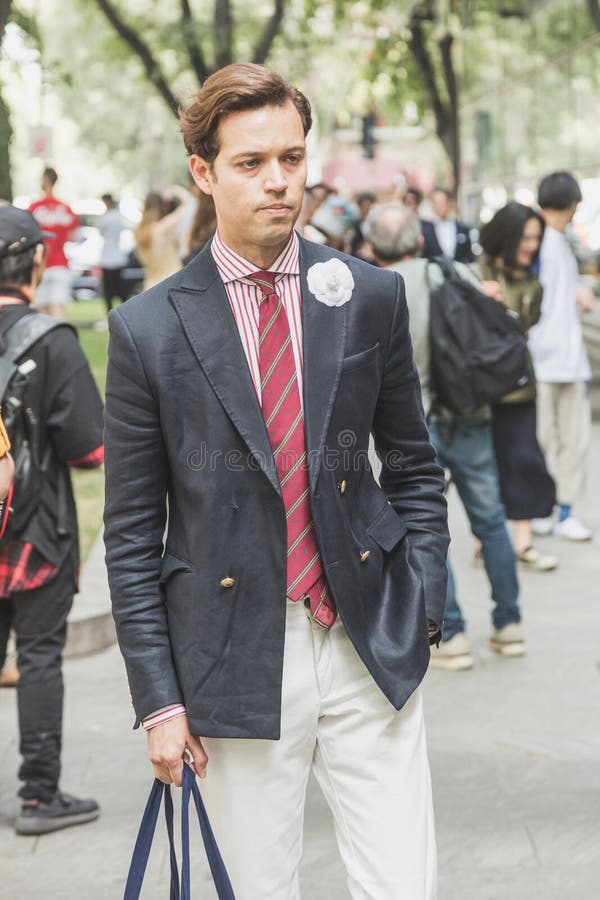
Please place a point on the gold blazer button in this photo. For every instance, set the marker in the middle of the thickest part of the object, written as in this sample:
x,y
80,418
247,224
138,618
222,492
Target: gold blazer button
x,y
227,582
365,554
343,487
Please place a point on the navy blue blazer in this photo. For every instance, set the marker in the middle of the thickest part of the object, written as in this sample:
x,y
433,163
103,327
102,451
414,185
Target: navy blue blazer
x,y
195,522
431,248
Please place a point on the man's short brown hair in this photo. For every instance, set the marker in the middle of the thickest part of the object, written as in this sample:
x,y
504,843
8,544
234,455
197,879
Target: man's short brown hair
x,y
50,175
235,88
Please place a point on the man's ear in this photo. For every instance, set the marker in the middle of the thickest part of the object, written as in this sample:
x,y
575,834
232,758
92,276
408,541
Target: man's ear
x,y
39,264
420,242
202,173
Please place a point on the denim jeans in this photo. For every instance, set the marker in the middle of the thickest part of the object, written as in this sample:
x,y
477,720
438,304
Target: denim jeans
x,y
464,446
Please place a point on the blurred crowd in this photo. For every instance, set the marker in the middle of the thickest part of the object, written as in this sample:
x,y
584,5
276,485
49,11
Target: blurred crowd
x,y
522,458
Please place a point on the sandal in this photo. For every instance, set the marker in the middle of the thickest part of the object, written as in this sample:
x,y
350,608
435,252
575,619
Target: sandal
x,y
537,562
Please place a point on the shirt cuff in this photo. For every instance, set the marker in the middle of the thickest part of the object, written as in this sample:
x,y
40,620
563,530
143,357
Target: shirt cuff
x,y
89,461
164,715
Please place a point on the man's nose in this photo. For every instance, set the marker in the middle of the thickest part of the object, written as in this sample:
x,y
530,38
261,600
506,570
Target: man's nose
x,y
275,179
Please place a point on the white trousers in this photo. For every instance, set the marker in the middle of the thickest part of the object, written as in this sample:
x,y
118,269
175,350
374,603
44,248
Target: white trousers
x,y
564,432
369,760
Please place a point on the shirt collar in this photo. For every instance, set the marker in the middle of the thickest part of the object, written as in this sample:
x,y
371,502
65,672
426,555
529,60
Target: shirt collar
x,y
233,267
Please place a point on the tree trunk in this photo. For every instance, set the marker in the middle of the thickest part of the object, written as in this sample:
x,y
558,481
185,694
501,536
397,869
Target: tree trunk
x,y
594,10
453,116
5,139
194,49
142,50
5,126
445,111
223,33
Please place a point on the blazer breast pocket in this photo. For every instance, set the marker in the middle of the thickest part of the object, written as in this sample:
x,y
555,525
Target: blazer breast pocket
x,y
359,360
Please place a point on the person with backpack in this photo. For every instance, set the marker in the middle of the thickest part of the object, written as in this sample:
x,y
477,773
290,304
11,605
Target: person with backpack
x,y
53,414
463,440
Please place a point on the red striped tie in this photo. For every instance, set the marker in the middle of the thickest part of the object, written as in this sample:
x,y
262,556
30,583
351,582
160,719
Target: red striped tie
x,y
282,412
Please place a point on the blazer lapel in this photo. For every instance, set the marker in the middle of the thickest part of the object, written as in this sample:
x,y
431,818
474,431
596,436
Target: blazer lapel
x,y
205,314
324,330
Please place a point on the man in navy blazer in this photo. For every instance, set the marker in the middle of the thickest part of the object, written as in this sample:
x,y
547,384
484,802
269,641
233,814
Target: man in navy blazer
x,y
226,660
445,235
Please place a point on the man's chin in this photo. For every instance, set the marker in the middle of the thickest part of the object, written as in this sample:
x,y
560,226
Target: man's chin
x,y
278,233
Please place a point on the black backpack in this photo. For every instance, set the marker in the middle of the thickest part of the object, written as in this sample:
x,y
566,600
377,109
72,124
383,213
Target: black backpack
x,y
20,421
478,348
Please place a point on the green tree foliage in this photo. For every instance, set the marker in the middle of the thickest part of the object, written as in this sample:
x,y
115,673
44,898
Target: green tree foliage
x,y
132,63
5,126
28,26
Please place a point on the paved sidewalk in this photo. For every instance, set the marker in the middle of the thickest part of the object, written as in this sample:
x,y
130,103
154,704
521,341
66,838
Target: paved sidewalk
x,y
514,748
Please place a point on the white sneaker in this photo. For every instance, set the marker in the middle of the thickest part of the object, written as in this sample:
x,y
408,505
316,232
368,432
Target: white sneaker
x,y
573,530
508,641
454,655
542,527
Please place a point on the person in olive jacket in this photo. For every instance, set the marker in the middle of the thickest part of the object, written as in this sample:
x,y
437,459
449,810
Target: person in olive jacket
x,y
511,242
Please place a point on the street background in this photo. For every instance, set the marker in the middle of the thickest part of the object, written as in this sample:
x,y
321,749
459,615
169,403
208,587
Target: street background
x,y
482,98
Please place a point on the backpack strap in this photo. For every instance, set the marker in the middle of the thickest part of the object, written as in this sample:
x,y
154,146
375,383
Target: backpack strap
x,y
445,265
21,337
16,341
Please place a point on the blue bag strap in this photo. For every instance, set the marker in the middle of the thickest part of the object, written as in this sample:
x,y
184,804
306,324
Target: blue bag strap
x,y
215,860
172,854
143,843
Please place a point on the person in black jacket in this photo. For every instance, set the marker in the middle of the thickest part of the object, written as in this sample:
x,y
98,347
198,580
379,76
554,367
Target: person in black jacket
x,y
39,563
445,235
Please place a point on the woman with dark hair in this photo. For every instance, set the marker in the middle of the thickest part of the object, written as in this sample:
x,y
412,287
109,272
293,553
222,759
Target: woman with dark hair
x,y
511,243
157,246
202,229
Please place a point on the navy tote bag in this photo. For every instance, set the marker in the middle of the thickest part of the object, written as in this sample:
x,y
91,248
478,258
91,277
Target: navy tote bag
x,y
141,852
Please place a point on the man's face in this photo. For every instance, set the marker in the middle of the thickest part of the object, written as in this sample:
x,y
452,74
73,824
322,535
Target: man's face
x,y
440,203
365,207
319,195
257,180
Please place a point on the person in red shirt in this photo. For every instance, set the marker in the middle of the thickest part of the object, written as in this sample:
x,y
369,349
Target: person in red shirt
x,y
54,291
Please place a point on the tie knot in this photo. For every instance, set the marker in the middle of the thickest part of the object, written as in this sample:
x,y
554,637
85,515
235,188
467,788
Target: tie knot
x,y
265,281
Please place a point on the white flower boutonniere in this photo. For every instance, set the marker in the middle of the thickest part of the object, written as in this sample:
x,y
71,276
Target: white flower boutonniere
x,y
331,282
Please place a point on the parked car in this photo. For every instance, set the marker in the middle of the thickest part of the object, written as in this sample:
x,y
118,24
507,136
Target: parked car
x,y
84,253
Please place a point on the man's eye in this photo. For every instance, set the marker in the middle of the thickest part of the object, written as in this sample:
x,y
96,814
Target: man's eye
x,y
293,159
250,163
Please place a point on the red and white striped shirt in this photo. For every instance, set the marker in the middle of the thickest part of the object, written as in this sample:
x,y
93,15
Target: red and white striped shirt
x,y
244,296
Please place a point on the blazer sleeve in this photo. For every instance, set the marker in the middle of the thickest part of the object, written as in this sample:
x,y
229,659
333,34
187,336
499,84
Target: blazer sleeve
x,y
134,519
430,246
411,478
